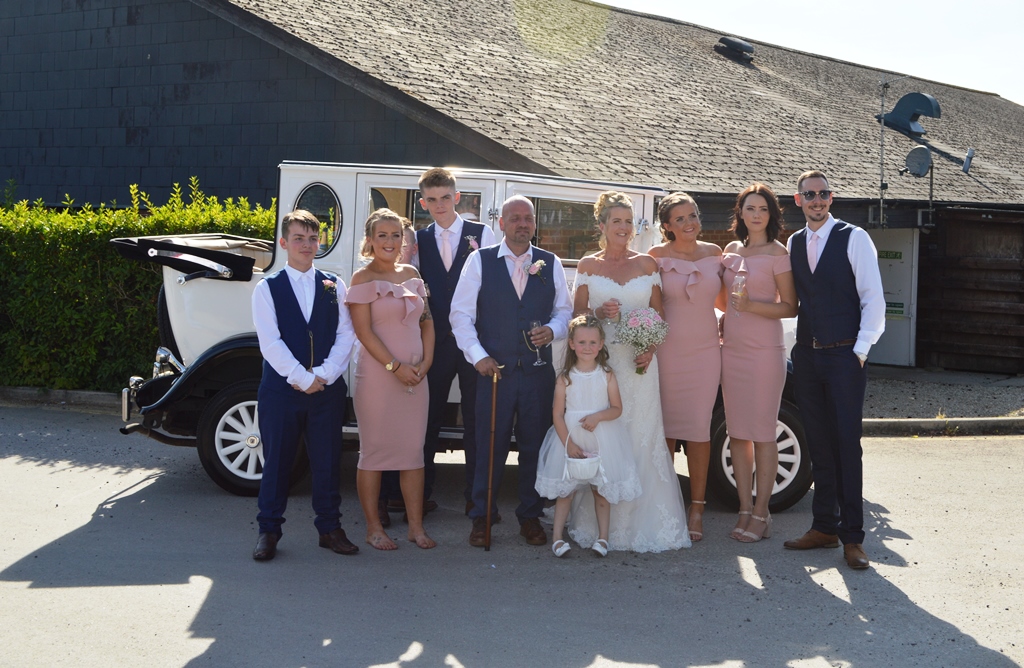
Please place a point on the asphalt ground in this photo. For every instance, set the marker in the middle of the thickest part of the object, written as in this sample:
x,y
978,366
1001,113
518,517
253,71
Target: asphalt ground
x,y
119,551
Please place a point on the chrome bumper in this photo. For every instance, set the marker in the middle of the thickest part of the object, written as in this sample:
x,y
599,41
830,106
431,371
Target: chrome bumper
x,y
165,363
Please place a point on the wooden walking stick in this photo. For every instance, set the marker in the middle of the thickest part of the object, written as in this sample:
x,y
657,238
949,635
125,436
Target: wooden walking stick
x,y
490,461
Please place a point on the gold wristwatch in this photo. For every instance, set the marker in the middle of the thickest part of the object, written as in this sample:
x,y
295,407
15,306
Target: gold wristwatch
x,y
393,365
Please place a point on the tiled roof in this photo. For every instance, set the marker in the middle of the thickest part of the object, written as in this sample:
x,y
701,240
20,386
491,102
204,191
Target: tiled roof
x,y
588,91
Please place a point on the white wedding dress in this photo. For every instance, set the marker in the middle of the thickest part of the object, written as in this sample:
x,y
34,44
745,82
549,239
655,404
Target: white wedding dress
x,y
656,521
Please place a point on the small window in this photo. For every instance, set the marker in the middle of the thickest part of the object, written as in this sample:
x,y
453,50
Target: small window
x,y
567,229
321,201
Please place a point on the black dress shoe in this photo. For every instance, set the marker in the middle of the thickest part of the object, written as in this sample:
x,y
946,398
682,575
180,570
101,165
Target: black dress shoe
x,y
338,542
266,546
382,512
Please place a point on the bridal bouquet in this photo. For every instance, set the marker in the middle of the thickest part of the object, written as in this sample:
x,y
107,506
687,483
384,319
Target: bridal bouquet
x,y
642,328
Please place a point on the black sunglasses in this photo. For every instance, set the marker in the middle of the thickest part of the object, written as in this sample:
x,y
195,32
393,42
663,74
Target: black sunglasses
x,y
809,195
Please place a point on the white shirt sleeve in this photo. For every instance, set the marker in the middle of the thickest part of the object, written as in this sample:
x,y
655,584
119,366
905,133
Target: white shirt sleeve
x,y
463,311
341,352
562,313
487,238
864,259
272,346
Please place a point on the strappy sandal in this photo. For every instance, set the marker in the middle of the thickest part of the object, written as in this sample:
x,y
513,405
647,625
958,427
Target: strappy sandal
x,y
751,537
560,547
696,536
600,547
736,531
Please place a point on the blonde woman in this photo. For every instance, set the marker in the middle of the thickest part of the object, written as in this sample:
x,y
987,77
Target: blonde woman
x,y
609,284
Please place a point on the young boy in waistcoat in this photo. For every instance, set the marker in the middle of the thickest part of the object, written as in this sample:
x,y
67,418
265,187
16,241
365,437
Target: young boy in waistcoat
x,y
306,339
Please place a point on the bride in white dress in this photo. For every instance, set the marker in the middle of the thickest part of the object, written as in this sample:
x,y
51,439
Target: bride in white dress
x,y
612,282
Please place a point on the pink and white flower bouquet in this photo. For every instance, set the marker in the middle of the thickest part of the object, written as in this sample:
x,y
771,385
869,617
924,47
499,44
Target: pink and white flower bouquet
x,y
642,328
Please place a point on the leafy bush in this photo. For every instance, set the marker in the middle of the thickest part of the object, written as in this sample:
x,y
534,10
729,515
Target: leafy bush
x,y
73,313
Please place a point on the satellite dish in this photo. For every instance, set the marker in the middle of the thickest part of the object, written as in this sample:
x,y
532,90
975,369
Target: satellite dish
x,y
919,161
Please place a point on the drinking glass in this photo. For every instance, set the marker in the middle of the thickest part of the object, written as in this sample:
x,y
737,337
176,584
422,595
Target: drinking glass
x,y
416,359
535,324
611,324
739,287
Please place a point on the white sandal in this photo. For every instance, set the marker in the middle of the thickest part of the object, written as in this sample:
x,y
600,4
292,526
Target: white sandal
x,y
560,547
601,547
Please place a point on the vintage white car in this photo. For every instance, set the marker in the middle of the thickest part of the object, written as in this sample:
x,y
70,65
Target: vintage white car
x,y
202,390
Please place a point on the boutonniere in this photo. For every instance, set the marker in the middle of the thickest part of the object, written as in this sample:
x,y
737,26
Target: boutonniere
x,y
535,268
331,288
473,244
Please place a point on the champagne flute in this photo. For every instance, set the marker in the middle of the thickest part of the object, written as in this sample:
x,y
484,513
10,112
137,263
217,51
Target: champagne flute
x,y
416,359
739,287
534,325
612,323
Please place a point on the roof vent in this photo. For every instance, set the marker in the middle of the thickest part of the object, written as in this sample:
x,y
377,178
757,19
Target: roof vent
x,y
908,109
735,48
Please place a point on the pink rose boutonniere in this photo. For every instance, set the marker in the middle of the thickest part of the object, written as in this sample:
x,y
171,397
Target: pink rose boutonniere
x,y
473,245
534,270
331,288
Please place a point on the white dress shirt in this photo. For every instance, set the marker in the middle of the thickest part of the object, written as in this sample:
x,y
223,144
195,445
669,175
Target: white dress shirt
x,y
463,313
860,250
455,238
274,349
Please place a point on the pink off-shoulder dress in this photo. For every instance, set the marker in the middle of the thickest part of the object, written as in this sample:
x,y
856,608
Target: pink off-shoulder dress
x,y
690,359
392,422
753,353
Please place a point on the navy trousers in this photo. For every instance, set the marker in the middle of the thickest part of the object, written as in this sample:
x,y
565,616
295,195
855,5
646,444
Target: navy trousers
x,y
524,407
284,418
829,386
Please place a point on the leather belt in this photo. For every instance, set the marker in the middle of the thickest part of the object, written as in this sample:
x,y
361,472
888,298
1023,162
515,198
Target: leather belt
x,y
837,344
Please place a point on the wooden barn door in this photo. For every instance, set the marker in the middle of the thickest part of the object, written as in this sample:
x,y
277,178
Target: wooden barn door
x,y
971,290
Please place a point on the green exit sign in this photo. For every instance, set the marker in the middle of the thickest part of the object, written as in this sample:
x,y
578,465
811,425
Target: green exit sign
x,y
890,255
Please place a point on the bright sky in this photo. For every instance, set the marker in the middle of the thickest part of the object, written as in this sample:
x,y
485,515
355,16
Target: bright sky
x,y
971,44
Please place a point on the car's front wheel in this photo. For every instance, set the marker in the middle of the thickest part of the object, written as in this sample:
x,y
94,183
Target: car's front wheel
x,y
229,443
794,475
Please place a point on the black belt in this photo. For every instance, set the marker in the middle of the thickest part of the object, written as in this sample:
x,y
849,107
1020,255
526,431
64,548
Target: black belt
x,y
826,346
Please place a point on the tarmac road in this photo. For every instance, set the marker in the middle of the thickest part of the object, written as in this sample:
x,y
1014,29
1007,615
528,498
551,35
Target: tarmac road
x,y
119,551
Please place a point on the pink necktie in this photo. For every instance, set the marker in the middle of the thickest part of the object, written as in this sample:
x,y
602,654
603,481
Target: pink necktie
x,y
446,249
518,275
812,252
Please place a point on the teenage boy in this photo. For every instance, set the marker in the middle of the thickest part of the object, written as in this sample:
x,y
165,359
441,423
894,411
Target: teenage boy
x,y
443,247
306,339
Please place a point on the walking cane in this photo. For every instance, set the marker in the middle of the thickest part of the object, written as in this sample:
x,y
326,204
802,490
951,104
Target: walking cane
x,y
490,461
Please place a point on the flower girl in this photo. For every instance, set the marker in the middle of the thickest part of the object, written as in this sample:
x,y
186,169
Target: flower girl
x,y
587,445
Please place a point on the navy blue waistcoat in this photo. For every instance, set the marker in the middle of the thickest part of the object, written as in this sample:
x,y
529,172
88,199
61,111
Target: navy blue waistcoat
x,y
441,282
829,303
502,317
310,343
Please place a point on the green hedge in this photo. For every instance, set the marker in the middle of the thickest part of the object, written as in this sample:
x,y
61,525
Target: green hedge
x,y
73,313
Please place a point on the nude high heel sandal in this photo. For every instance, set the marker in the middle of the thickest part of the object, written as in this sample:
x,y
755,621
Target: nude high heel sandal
x,y
697,536
751,537
736,531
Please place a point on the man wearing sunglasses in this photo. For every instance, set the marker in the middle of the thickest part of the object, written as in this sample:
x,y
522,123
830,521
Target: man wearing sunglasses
x,y
841,315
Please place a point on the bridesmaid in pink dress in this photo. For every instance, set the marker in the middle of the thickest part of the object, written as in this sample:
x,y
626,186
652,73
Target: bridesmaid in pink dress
x,y
691,360
753,354
387,301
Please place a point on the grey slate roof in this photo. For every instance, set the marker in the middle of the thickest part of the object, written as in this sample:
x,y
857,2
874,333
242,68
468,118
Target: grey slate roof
x,y
579,89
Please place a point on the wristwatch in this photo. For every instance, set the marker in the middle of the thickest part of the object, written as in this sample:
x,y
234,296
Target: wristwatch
x,y
393,365
863,357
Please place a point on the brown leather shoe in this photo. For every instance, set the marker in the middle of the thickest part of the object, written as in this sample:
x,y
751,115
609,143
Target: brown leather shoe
x,y
382,513
811,540
855,556
338,542
266,546
532,531
478,536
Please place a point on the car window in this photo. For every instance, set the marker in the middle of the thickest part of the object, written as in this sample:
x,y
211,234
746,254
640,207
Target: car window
x,y
321,201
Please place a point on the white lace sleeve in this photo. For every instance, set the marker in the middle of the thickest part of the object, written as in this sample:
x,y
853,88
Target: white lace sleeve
x,y
581,279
